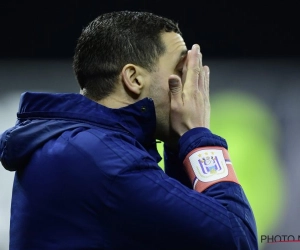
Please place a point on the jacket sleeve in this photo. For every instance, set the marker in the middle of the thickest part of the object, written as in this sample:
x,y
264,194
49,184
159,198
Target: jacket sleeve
x,y
180,217
230,195
197,137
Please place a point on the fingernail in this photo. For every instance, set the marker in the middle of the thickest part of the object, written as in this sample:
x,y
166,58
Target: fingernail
x,y
173,82
197,47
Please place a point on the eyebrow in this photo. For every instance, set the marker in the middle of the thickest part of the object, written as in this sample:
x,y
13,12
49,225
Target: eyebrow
x,y
182,55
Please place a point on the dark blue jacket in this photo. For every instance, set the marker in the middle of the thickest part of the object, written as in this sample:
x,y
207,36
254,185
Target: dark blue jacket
x,y
87,177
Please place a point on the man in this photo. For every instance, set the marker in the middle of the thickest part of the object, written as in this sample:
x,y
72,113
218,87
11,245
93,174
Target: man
x,y
87,174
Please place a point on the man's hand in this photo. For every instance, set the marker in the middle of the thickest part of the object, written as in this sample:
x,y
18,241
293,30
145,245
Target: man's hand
x,y
190,105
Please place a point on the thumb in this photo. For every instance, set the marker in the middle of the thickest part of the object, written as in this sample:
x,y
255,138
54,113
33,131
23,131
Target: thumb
x,y
175,87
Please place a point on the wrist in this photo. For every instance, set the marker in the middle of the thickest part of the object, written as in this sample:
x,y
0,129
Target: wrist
x,y
199,137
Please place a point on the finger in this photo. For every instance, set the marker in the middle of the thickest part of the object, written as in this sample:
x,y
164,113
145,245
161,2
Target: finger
x,y
206,96
175,87
206,79
193,68
202,75
184,70
201,79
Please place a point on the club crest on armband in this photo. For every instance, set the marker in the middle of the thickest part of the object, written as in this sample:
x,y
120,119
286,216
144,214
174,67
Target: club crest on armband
x,y
209,165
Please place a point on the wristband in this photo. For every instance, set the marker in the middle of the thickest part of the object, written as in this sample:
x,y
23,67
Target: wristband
x,y
207,166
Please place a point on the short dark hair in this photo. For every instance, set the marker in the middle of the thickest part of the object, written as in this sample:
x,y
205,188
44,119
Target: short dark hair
x,y
113,40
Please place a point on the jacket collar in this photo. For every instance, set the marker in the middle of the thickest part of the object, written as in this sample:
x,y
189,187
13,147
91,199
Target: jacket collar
x,y
43,116
137,119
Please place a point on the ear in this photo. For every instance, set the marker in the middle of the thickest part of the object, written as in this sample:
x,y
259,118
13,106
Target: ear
x,y
133,78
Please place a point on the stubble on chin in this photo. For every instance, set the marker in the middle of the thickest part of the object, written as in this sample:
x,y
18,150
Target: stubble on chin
x,y
162,124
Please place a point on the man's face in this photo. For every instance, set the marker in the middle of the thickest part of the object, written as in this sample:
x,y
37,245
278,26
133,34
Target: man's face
x,y
170,63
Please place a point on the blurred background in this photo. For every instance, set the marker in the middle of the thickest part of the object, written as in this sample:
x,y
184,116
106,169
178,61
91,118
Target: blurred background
x,y
252,49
